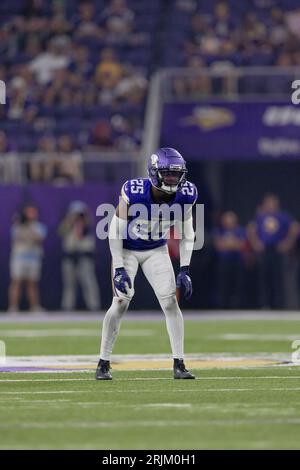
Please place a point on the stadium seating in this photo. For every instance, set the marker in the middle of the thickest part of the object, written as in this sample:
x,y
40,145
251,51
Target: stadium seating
x,y
143,36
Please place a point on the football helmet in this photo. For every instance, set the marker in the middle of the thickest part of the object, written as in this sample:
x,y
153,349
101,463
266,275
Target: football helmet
x,y
167,170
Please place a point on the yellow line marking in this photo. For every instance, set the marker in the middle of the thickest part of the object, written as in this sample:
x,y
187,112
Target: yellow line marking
x,y
164,364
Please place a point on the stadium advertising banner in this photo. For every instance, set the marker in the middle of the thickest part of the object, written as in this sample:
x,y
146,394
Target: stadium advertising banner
x,y
222,130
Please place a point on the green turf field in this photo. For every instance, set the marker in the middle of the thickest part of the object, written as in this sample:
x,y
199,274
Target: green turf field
x,y
227,407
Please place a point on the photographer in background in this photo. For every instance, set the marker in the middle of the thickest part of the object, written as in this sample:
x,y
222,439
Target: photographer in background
x,y
26,258
78,257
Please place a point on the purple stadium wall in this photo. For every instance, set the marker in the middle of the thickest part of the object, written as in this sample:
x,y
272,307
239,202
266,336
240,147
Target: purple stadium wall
x,y
52,203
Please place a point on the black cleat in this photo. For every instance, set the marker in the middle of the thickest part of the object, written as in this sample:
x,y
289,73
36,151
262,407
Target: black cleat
x,y
180,372
102,371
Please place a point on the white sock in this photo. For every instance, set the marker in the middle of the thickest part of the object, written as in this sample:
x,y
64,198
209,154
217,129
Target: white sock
x,y
175,325
111,326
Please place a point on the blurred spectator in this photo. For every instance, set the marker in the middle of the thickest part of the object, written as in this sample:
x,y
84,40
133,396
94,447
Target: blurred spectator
x,y
293,22
127,139
278,29
102,136
197,84
78,263
118,19
229,241
26,258
272,234
59,24
41,164
223,20
54,58
10,166
33,8
200,83
18,98
118,9
67,167
87,26
109,72
131,87
56,160
186,5
81,63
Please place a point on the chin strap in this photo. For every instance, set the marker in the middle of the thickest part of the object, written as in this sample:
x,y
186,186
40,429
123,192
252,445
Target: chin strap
x,y
172,190
164,190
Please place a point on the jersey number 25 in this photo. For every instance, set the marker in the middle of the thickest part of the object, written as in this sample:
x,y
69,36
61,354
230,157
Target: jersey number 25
x,y
188,189
137,186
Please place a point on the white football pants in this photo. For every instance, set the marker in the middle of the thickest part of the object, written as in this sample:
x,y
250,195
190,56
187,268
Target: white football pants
x,y
157,267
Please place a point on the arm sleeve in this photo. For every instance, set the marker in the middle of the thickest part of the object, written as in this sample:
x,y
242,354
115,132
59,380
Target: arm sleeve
x,y
195,198
186,243
116,231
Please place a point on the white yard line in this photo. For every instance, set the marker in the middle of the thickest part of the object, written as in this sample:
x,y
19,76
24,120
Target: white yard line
x,y
186,390
57,403
149,423
141,379
153,315
71,358
37,333
256,337
163,405
98,424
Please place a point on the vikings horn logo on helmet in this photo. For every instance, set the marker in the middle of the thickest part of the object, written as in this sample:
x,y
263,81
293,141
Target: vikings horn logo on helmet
x,y
154,159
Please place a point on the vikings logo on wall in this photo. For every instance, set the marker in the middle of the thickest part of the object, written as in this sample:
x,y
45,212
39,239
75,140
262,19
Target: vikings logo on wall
x,y
209,118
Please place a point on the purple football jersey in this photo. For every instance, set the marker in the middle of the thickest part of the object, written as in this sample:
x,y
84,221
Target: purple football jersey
x,y
223,233
272,228
149,222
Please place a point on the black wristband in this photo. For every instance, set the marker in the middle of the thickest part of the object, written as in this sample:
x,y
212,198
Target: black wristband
x,y
185,269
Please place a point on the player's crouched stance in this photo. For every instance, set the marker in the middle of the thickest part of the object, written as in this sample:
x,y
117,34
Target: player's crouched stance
x,y
166,186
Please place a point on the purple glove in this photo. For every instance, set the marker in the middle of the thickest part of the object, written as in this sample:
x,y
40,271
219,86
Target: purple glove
x,y
121,278
183,279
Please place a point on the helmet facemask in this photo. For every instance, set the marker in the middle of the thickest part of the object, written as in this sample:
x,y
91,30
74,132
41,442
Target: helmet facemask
x,y
169,180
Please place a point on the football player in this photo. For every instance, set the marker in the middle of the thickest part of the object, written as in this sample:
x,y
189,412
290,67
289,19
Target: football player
x,y
166,185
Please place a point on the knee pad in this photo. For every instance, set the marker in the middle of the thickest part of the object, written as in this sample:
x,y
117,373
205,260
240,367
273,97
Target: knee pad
x,y
169,305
